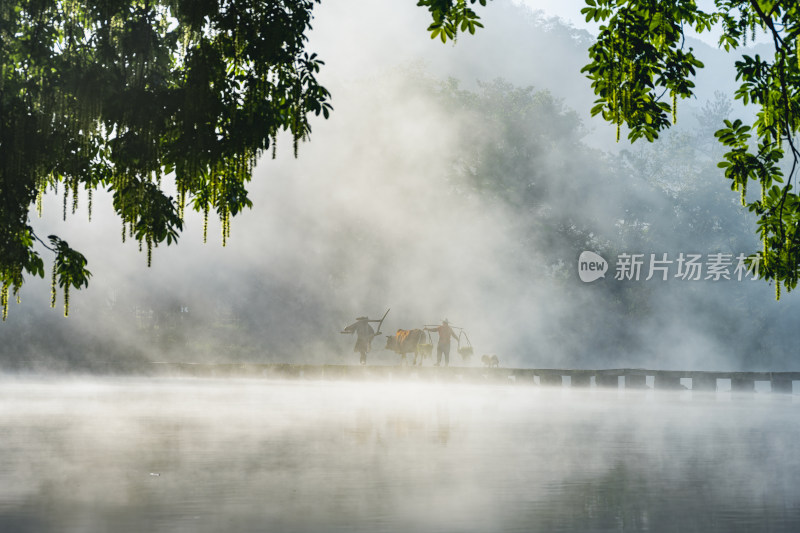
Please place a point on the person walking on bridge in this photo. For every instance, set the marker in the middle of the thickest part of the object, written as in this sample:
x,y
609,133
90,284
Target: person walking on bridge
x,y
443,346
364,334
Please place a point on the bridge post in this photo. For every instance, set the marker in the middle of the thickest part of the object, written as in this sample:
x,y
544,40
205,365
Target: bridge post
x,y
607,380
664,381
704,382
781,385
742,383
524,376
582,379
550,379
635,381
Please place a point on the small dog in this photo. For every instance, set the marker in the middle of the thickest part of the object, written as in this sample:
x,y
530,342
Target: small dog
x,y
490,361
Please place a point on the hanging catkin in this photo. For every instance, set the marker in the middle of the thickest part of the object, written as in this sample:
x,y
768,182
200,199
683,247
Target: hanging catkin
x,y
205,224
39,195
64,207
4,299
743,191
53,286
674,107
74,195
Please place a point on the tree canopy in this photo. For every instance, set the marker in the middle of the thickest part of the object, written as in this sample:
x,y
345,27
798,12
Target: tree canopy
x,y
120,94
123,94
640,66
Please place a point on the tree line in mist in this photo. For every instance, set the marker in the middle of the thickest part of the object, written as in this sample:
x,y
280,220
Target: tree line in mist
x,y
521,153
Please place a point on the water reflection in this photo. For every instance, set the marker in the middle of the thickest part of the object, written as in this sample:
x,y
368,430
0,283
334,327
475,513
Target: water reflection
x,y
241,455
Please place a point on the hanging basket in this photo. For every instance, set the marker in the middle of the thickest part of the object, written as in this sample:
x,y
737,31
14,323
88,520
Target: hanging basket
x,y
466,352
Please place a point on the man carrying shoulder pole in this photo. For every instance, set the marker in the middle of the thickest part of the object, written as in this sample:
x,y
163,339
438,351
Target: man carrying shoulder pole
x,y
443,346
364,334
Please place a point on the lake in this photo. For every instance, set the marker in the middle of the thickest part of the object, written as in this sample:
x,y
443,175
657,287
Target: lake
x,y
217,455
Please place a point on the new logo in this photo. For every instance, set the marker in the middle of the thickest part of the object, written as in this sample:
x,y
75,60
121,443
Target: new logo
x,y
591,267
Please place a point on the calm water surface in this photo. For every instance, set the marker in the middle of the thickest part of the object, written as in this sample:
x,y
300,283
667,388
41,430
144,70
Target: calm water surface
x,y
136,455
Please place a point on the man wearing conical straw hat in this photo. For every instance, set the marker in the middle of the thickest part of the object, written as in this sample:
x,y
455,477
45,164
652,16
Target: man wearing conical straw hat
x,y
364,334
443,346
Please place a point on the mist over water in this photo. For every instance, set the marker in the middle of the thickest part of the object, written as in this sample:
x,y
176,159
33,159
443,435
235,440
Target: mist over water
x,y
250,455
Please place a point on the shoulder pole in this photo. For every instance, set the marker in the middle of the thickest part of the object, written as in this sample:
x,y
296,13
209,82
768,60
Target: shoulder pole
x,y
381,322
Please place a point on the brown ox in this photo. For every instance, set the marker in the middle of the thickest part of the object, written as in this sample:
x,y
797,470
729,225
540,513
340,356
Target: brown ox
x,y
407,341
